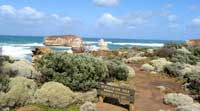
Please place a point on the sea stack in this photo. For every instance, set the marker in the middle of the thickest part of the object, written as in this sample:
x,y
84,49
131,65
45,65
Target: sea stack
x,y
103,45
193,42
65,40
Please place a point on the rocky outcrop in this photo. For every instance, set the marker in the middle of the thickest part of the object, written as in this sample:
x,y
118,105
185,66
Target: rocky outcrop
x,y
65,40
21,91
193,42
39,52
177,99
103,45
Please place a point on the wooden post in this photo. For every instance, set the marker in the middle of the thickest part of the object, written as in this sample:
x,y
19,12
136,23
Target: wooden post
x,y
131,107
101,99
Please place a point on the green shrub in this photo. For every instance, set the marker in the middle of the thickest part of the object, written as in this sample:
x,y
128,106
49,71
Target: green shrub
x,y
165,52
174,69
193,79
196,51
117,70
185,58
174,45
79,72
4,83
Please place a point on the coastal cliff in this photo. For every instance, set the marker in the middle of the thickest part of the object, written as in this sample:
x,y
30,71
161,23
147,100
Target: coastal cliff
x,y
193,42
64,40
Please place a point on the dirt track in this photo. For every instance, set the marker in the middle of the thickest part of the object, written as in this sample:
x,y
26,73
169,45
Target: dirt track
x,y
148,97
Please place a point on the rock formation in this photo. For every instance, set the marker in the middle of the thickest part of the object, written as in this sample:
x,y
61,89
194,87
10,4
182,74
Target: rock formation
x,y
193,42
38,52
103,45
65,40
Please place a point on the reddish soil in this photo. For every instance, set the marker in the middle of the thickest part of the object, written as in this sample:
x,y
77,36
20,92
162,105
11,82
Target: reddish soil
x,y
148,97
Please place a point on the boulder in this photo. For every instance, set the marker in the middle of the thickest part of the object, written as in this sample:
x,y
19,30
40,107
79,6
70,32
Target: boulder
x,y
65,40
41,51
147,67
54,94
88,106
21,91
103,45
159,64
20,67
177,99
81,97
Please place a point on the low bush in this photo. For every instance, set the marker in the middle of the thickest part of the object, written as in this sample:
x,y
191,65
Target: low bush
x,y
174,69
4,83
165,52
193,79
117,70
174,45
4,59
80,72
185,58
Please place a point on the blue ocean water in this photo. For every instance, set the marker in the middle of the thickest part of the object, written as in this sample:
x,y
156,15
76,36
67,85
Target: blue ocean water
x,y
21,46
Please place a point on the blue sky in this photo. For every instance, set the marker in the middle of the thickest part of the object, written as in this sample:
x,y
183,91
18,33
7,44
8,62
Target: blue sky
x,y
136,19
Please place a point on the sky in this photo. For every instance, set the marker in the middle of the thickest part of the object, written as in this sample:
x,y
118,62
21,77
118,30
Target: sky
x,y
134,19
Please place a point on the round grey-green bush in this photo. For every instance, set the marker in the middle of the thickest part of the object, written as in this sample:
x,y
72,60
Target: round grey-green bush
x,y
80,72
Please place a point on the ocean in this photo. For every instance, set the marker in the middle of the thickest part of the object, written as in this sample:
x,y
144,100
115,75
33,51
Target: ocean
x,y
22,46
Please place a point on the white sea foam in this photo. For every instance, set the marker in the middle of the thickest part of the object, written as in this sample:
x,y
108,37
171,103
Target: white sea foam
x,y
140,44
96,42
19,52
24,45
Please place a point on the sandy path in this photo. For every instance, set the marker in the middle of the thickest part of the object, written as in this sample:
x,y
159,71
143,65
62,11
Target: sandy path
x,y
148,97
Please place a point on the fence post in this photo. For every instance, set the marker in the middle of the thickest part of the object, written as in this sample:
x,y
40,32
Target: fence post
x,y
101,99
131,107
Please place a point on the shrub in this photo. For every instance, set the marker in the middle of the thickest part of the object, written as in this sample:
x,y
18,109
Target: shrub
x,y
165,52
4,59
4,83
79,72
174,69
193,79
185,58
174,45
196,51
117,70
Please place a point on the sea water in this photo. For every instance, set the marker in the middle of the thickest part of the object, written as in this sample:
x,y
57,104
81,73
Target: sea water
x,y
22,46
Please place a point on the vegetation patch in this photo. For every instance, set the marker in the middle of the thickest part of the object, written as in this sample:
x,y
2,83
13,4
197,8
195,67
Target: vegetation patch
x,y
80,72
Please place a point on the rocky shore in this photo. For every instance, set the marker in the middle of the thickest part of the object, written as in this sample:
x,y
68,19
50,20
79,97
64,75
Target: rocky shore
x,y
61,79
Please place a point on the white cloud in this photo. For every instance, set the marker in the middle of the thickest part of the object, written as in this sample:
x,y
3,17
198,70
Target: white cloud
x,y
109,20
29,15
106,3
7,9
130,21
29,20
196,21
